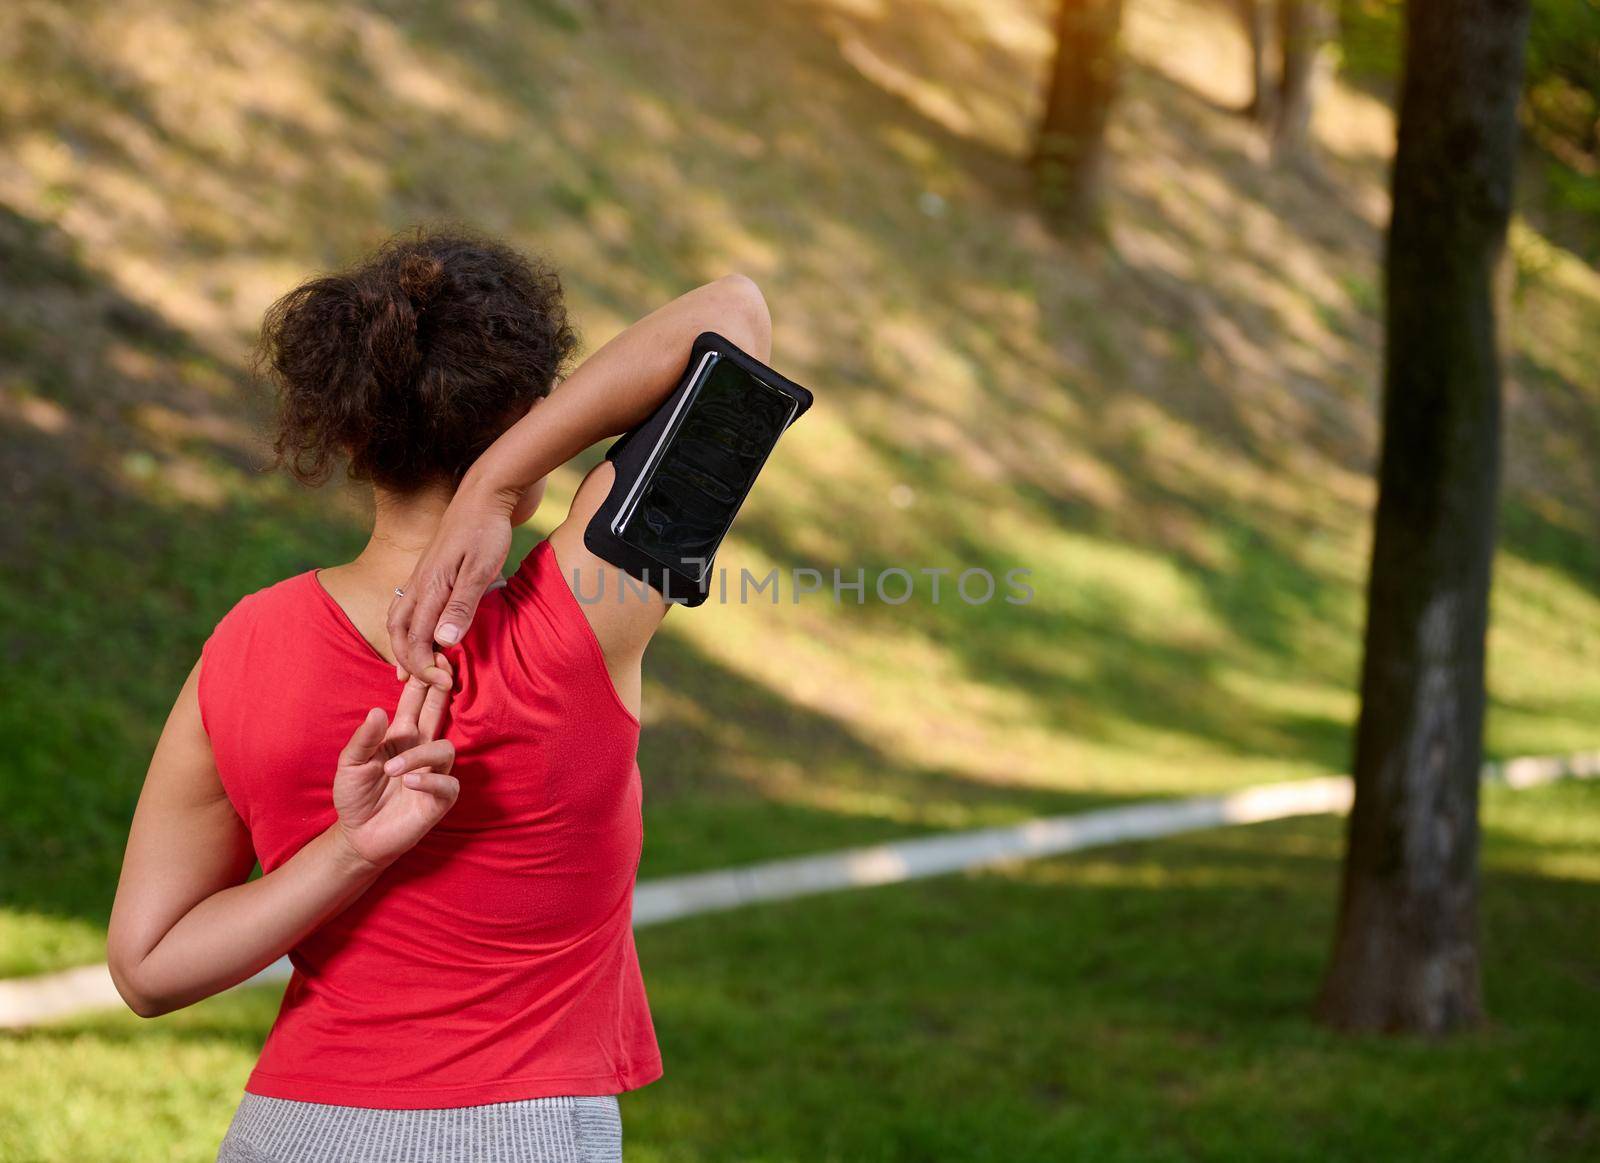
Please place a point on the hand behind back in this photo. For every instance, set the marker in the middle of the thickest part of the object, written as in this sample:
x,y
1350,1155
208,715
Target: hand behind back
x,y
393,782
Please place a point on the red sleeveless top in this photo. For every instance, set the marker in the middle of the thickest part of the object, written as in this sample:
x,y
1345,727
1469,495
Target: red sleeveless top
x,y
495,960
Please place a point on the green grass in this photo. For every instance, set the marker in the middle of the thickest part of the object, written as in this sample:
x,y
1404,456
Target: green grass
x,y
1559,108
1174,433
1143,1003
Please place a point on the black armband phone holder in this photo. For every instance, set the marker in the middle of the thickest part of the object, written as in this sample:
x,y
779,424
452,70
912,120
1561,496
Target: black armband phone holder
x,y
684,472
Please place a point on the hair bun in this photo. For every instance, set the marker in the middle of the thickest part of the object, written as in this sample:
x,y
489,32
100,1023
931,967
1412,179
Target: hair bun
x,y
420,276
386,333
411,362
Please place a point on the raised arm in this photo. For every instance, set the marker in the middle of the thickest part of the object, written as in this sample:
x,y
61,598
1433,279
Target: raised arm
x,y
187,923
616,388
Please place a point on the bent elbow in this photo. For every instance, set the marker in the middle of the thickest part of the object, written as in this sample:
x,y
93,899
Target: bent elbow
x,y
138,999
142,1004
146,1007
748,320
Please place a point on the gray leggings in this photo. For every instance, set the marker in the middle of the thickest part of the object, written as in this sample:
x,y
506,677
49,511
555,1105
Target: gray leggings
x,y
535,1130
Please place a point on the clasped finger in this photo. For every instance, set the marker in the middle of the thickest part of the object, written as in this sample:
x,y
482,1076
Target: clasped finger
x,y
438,754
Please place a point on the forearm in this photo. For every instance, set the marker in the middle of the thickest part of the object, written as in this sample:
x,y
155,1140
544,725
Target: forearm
x,y
621,384
241,930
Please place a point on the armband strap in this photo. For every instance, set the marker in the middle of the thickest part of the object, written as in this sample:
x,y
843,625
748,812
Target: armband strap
x,y
682,475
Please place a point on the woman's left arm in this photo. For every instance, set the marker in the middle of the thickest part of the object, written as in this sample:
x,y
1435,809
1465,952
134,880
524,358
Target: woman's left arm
x,y
188,923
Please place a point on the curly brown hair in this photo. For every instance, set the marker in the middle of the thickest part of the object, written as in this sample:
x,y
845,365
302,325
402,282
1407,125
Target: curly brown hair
x,y
410,363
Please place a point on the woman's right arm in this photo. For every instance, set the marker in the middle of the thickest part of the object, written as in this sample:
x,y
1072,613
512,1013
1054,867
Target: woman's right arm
x,y
616,388
187,923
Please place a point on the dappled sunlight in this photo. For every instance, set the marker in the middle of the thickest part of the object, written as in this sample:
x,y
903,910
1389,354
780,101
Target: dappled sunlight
x,y
1553,397
1177,974
1175,434
176,1081
1201,46
1554,835
980,48
1088,875
1542,648
430,85
46,416
35,941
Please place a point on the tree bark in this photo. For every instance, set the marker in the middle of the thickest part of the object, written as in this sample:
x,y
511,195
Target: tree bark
x,y
1405,955
1069,157
1303,27
1257,25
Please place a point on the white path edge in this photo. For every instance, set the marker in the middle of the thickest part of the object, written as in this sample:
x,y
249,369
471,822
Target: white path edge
x,y
30,1001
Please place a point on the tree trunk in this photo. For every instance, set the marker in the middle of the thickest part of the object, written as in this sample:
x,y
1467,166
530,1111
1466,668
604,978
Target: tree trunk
x,y
1406,952
1069,156
1302,33
1257,25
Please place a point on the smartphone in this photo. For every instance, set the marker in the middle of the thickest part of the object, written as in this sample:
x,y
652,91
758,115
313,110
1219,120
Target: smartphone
x,y
721,432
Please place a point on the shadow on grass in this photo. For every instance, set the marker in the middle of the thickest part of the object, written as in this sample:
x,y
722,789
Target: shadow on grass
x,y
1143,1002
146,519
1140,1003
125,450
973,359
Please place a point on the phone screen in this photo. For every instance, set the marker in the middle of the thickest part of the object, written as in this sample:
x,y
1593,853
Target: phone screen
x,y
728,424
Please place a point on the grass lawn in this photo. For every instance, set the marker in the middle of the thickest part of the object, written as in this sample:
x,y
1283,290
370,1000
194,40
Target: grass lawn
x,y
1174,432
1141,1003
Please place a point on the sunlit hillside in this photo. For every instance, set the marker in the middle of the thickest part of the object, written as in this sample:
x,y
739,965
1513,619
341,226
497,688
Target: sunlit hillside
x,y
1173,431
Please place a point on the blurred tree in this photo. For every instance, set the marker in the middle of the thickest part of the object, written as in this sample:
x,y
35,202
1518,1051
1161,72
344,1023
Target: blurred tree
x,y
1406,952
1070,152
1560,110
1282,102
1257,22
1303,31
